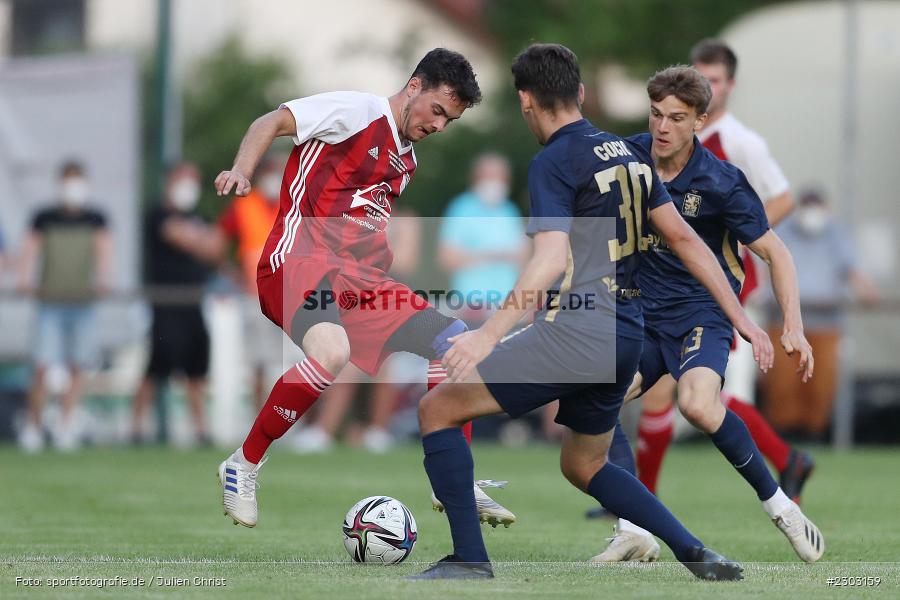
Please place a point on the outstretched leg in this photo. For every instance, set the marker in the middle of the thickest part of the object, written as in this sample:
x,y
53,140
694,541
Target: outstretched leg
x,y
698,399
327,351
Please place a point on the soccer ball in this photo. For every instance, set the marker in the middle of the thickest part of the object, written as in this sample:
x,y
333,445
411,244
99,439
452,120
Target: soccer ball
x,y
380,530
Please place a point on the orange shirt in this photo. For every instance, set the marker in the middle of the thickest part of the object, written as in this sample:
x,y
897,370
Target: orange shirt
x,y
248,221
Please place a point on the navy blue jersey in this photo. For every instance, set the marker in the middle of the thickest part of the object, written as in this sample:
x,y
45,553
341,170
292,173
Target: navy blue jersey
x,y
581,176
714,197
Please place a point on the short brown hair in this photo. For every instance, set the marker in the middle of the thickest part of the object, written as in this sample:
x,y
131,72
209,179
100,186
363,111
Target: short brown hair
x,y
685,83
714,52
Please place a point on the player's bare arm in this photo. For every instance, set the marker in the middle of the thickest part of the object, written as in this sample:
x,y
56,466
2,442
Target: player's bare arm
x,y
699,260
551,251
772,250
779,207
259,137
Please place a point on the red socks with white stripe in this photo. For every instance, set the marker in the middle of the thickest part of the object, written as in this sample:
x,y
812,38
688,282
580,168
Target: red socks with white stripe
x,y
769,443
436,374
292,395
654,436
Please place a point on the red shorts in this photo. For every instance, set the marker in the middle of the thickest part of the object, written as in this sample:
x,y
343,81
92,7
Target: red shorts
x,y
371,308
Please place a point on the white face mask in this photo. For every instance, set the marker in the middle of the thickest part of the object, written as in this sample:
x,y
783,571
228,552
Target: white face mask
x,y
75,191
270,186
184,194
812,219
491,191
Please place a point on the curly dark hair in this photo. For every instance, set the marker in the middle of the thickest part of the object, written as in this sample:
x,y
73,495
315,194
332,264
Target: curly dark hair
x,y
446,67
550,72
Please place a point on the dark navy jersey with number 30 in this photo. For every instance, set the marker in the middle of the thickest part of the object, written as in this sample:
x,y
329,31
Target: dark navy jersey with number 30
x,y
599,189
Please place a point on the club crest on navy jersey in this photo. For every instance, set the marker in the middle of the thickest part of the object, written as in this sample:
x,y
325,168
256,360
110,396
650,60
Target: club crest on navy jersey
x,y
691,206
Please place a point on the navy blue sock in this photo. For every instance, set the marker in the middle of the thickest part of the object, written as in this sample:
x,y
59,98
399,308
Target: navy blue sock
x,y
735,443
620,451
622,494
449,464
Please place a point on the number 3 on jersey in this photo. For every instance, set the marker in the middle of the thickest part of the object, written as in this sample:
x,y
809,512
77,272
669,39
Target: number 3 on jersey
x,y
631,208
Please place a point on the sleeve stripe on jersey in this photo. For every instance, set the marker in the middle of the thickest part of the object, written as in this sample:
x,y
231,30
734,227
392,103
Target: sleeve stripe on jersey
x,y
734,265
297,190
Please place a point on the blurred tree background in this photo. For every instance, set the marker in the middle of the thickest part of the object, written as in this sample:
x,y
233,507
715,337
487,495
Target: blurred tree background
x,y
230,88
641,35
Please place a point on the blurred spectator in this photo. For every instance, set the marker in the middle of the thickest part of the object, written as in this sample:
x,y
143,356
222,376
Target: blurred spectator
x,y
247,222
828,277
72,243
180,247
2,255
396,373
482,245
481,242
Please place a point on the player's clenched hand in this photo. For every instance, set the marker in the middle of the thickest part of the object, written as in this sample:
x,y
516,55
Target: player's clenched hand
x,y
469,348
232,179
763,351
794,341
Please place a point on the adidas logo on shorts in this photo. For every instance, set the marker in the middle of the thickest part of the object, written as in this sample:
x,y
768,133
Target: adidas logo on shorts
x,y
289,415
373,152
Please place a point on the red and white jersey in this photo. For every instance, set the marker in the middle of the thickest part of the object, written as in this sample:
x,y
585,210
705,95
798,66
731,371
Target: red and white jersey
x,y
341,180
731,140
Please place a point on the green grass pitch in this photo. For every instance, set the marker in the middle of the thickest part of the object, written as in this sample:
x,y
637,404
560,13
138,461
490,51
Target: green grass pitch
x,y
157,513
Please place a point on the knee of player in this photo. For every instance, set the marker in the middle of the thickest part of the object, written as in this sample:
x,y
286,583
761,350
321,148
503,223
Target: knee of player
x,y
580,472
330,348
429,413
693,403
334,358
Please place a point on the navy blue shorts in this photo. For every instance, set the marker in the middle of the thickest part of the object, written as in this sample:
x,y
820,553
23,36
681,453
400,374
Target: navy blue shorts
x,y
520,371
702,346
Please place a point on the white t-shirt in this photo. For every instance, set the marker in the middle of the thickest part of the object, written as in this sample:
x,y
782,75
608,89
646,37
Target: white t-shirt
x,y
731,140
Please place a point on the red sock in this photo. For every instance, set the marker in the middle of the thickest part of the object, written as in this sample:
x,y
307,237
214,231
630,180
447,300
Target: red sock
x,y
467,431
769,443
292,395
654,436
436,374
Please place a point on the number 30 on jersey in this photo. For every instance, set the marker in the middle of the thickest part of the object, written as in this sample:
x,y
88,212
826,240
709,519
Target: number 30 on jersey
x,y
631,207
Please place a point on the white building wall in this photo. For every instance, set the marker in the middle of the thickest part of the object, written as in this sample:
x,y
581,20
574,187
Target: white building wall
x,y
366,45
790,88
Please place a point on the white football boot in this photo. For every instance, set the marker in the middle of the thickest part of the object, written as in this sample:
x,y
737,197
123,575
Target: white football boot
x,y
311,440
377,440
626,545
238,479
66,436
803,535
31,439
489,511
